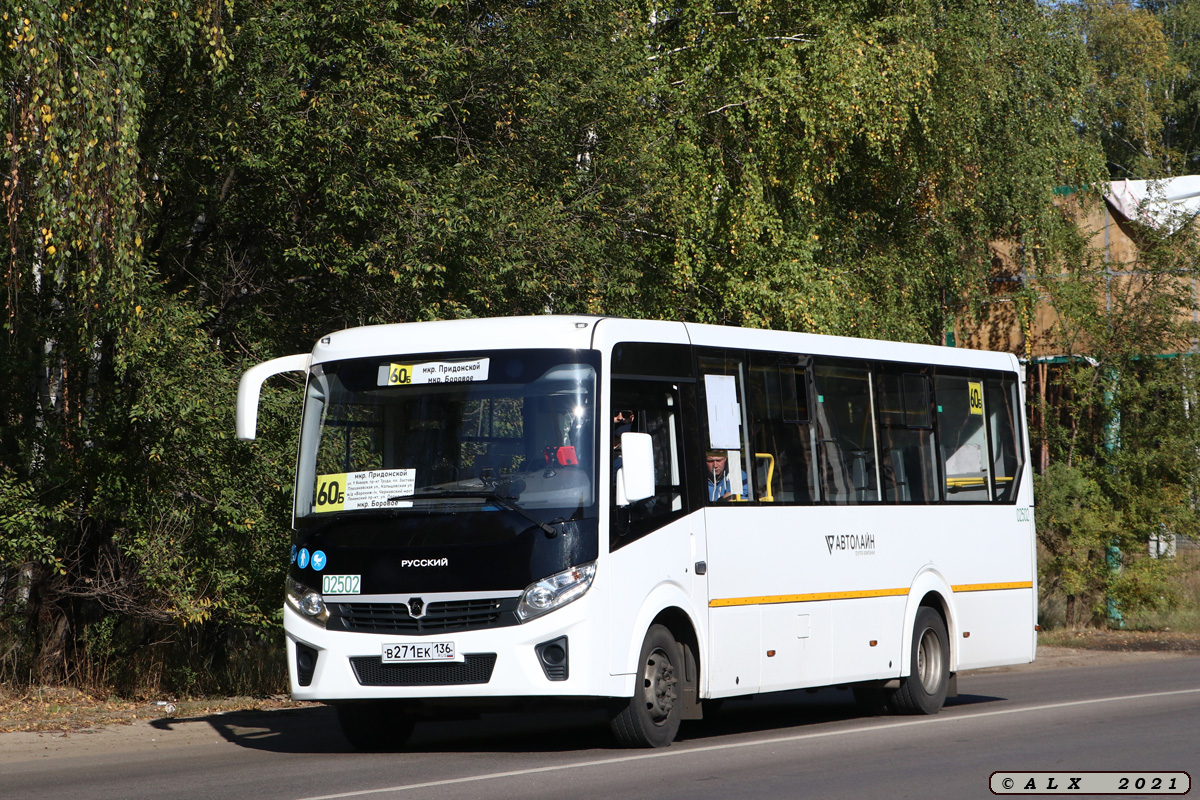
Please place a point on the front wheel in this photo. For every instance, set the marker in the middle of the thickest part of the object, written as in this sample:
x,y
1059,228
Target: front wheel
x,y
924,690
651,717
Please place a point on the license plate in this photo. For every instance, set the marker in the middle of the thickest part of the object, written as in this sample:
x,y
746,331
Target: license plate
x,y
408,653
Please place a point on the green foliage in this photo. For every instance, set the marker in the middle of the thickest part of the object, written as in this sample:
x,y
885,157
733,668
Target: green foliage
x,y
842,168
27,524
1134,78
115,437
1074,525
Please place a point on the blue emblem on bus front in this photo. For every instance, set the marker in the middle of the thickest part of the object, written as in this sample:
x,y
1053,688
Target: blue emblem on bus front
x,y
318,560
302,558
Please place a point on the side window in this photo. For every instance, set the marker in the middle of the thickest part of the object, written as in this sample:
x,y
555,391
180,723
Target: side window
x,y
1003,404
962,438
728,459
784,450
653,407
846,434
907,453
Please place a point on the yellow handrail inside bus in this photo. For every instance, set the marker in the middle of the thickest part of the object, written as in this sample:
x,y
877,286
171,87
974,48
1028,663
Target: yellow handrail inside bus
x,y
768,496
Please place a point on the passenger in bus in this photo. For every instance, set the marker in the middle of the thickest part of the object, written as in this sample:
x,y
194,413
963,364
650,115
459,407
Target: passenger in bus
x,y
717,468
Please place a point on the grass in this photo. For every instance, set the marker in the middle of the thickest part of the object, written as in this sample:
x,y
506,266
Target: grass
x,y
1185,617
1121,640
66,710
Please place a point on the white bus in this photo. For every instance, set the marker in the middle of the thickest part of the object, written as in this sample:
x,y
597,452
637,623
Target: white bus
x,y
526,512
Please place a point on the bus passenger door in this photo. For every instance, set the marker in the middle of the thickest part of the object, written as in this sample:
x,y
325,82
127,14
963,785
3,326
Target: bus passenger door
x,y
763,544
735,618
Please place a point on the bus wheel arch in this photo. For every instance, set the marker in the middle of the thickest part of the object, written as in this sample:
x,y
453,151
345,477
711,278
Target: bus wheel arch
x,y
680,625
924,689
935,593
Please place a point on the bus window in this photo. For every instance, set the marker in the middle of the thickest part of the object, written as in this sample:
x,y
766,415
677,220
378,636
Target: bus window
x,y
906,448
780,430
729,460
962,438
846,430
1003,413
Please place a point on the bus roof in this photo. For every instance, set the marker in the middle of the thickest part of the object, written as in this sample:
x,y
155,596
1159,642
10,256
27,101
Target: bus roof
x,y
579,332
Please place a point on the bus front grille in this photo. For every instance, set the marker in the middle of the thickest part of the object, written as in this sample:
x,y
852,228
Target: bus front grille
x,y
454,615
476,668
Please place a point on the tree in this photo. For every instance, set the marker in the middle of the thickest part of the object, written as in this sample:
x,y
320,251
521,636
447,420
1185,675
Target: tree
x,y
1131,92
114,492
841,168
192,188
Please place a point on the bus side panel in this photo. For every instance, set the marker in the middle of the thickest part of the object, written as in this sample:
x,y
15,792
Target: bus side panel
x,y
763,561
870,635
995,627
981,555
734,661
984,555
664,558
798,634
839,578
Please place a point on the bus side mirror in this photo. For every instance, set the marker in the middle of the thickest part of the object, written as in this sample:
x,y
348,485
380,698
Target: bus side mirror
x,y
635,478
251,384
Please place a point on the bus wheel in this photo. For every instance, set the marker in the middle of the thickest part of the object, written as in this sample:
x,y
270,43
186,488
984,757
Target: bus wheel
x,y
924,690
651,718
375,727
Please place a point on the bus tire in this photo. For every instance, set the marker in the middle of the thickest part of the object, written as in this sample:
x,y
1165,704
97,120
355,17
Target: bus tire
x,y
375,727
651,717
924,690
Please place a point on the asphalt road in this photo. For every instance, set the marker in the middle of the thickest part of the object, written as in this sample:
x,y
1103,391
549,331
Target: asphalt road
x,y
1138,715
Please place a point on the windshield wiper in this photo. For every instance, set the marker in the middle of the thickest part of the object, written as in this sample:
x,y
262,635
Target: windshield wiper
x,y
507,502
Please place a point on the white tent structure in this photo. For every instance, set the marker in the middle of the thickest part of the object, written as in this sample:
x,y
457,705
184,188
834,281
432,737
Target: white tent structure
x,y
1165,205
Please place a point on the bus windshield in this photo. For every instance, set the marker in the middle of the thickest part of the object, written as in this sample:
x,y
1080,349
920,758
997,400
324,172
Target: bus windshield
x,y
450,433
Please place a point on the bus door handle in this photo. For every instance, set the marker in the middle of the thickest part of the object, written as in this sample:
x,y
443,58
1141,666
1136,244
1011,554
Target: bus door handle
x,y
701,567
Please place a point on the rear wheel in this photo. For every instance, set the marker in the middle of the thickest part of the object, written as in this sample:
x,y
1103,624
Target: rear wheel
x,y
375,727
924,690
651,717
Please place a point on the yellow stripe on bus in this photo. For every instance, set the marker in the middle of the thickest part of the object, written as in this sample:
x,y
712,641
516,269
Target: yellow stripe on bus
x,y
804,598
991,587
808,598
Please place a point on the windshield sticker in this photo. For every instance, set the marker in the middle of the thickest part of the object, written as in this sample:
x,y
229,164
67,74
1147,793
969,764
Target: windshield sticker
x,y
355,491
433,372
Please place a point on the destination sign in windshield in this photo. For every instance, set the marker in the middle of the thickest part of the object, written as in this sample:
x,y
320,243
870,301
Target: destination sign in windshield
x,y
433,372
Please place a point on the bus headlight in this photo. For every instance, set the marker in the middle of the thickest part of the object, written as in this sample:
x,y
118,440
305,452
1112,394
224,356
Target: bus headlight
x,y
555,591
307,602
